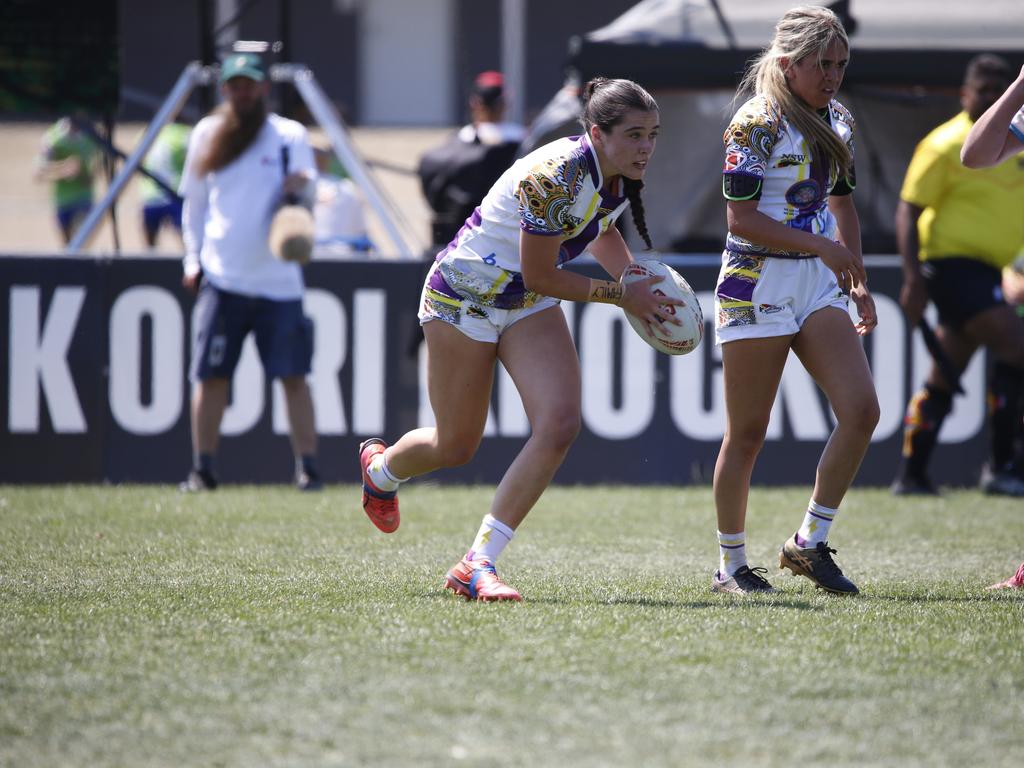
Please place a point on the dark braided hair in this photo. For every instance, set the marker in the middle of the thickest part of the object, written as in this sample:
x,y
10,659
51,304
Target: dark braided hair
x,y
605,104
632,189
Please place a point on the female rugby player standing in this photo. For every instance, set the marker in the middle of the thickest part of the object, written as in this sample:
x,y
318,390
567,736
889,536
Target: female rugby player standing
x,y
792,254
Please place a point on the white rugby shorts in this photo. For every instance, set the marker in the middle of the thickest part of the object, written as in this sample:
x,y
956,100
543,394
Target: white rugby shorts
x,y
761,297
476,319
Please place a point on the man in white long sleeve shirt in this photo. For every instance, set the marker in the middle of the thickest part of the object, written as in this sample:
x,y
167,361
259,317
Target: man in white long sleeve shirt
x,y
241,161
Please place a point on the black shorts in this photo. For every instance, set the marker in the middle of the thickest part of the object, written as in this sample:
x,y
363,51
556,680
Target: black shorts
x,y
284,335
962,288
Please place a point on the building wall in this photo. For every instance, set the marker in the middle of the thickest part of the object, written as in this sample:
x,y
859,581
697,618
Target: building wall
x,y
384,62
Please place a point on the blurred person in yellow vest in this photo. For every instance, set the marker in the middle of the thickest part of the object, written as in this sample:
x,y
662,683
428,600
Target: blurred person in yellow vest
x,y
958,229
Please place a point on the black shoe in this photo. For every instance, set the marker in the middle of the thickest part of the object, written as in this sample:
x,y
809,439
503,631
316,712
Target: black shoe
x,y
816,564
745,581
908,485
1005,482
308,480
199,480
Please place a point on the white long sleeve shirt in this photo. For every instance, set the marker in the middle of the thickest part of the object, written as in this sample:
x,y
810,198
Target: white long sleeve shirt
x,y
227,213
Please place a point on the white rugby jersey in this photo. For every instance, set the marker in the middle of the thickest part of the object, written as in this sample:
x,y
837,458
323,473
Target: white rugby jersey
x,y
227,213
762,144
553,191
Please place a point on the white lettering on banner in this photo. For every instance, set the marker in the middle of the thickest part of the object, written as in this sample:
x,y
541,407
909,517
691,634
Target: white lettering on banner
x,y
636,374
330,348
39,361
425,413
330,351
686,390
887,370
369,362
166,354
798,398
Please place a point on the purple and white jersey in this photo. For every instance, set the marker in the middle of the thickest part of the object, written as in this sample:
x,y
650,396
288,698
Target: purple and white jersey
x,y
761,143
554,191
1017,125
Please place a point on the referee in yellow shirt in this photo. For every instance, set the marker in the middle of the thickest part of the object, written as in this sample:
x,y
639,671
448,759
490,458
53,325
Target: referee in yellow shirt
x,y
956,229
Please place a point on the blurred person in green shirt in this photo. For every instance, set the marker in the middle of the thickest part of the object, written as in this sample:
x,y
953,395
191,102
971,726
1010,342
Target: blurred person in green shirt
x,y
68,161
166,161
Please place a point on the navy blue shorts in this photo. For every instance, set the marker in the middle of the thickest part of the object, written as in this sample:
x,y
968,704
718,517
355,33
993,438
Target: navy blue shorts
x,y
67,214
284,335
155,215
962,288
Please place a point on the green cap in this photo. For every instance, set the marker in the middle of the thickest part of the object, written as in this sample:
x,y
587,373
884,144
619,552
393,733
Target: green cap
x,y
242,65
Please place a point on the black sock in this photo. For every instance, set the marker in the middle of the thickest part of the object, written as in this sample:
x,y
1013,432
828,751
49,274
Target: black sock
x,y
204,463
307,463
1005,391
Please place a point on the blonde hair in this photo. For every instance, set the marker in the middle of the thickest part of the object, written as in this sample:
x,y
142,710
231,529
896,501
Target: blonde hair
x,y
801,32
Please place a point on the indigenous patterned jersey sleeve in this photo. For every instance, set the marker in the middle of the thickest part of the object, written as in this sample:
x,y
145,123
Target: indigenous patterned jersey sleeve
x,y
768,160
749,141
547,194
557,191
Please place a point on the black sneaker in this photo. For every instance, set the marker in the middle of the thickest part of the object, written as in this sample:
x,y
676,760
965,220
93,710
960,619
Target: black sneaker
x,y
908,485
745,581
816,564
1004,482
198,480
308,480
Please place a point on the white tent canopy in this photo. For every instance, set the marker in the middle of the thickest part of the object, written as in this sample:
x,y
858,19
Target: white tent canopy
x,y
907,62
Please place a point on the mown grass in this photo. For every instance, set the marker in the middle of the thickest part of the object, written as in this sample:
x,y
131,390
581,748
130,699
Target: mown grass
x,y
258,626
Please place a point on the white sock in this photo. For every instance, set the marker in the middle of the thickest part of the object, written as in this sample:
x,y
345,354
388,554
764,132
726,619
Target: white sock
x,y
490,540
381,476
732,552
816,523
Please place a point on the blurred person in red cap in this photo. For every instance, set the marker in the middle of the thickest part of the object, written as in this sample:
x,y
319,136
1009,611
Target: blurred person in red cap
x,y
456,175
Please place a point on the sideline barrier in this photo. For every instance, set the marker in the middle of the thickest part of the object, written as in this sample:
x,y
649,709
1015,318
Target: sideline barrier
x,y
94,384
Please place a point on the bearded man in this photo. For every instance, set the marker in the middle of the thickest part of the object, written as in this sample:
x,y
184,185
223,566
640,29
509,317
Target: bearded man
x,y
242,161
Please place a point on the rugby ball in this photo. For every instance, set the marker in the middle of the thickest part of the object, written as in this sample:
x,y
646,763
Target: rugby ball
x,y
667,337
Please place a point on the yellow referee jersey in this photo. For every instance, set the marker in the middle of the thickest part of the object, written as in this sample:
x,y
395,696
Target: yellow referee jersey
x,y
974,213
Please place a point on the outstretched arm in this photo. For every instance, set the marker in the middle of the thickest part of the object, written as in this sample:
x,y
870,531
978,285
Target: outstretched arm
x,y
991,139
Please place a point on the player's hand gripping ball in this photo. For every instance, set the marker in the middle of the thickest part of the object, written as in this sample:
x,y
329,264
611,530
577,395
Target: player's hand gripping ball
x,y
667,337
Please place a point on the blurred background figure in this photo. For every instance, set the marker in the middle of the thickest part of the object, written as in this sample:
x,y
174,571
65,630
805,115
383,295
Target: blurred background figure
x,y
68,161
338,210
166,160
456,175
242,161
957,229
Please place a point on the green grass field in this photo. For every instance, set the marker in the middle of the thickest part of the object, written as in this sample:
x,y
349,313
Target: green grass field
x,y
262,627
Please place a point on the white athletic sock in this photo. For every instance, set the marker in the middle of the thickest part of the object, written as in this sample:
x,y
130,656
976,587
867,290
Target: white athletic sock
x,y
816,523
490,540
732,552
381,476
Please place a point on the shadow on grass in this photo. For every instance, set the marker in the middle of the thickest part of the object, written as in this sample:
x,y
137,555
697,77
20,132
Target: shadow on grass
x,y
985,597
726,601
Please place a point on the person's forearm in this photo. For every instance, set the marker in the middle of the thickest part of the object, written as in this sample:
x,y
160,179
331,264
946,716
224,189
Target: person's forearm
x,y
848,223
989,140
907,240
759,228
193,224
